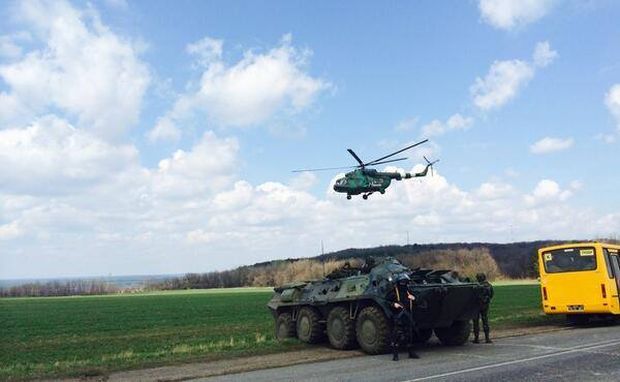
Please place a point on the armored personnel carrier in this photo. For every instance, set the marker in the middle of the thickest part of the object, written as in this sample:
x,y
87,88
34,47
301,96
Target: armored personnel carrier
x,y
355,306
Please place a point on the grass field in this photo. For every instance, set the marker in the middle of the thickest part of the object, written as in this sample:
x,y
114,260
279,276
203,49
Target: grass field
x,y
60,336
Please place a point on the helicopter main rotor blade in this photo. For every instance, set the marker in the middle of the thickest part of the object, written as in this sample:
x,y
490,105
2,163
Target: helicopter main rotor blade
x,y
356,157
387,161
395,152
324,169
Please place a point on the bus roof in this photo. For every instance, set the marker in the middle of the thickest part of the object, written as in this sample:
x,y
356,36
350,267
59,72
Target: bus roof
x,y
579,244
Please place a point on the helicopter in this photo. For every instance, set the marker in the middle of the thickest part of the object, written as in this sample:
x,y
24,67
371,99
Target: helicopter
x,y
366,181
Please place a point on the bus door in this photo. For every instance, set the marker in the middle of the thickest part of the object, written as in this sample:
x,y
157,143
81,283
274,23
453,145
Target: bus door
x,y
613,266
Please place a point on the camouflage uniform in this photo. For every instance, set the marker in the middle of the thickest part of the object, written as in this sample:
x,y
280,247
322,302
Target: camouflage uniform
x,y
484,301
403,325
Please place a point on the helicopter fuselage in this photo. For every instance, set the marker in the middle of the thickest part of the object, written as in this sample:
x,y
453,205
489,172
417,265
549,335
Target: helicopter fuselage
x,y
365,181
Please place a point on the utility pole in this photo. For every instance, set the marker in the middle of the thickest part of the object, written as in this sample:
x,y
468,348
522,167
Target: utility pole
x,y
322,258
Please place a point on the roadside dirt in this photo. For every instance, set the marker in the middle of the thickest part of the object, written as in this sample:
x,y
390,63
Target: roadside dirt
x,y
239,365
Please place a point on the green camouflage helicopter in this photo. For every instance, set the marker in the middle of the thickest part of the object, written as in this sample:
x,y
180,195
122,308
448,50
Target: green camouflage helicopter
x,y
366,181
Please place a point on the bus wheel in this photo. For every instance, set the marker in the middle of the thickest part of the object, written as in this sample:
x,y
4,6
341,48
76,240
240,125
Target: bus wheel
x,y
577,319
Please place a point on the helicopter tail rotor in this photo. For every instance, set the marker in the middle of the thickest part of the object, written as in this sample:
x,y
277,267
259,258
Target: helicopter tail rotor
x,y
430,164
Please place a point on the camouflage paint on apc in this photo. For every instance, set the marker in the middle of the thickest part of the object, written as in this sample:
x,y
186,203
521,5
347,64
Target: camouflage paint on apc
x,y
439,301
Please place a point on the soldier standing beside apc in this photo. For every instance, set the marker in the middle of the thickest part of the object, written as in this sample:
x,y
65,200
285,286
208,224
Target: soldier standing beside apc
x,y
403,325
484,300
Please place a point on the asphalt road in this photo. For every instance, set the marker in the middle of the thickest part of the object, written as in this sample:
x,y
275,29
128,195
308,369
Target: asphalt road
x,y
579,354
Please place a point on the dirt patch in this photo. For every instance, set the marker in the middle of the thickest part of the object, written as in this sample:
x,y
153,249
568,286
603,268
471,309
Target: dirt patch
x,y
240,365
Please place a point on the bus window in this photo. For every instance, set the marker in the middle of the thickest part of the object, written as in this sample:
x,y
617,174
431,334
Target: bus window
x,y
608,254
569,260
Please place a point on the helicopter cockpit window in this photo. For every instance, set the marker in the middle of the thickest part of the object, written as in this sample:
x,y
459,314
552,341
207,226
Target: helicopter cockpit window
x,y
341,181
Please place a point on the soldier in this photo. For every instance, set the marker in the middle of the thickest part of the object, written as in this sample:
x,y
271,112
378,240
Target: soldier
x,y
402,316
484,299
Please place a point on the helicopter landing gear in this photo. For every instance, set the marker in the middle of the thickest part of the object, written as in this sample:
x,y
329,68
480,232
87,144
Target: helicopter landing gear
x,y
348,197
365,196
382,192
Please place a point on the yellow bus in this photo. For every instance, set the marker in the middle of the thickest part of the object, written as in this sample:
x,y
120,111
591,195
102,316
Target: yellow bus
x,y
580,280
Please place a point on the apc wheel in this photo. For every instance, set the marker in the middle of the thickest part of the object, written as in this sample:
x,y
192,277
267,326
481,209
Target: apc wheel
x,y
372,330
341,329
422,336
285,327
454,335
309,329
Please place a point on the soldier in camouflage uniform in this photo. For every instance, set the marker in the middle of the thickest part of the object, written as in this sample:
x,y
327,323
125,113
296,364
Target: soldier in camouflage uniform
x,y
484,301
403,325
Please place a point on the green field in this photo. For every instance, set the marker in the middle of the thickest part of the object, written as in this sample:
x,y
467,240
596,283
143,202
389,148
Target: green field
x,y
59,336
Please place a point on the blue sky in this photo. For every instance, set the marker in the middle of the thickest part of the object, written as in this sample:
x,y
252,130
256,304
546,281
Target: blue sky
x,y
159,137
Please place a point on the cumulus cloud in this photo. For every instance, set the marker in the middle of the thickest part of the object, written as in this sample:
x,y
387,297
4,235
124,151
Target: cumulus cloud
x,y
455,122
494,190
547,191
51,155
506,79
549,145
247,93
543,54
197,208
82,69
209,166
511,14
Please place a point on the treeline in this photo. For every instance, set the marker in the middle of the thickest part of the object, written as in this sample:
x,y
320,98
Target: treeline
x,y
265,274
467,262
60,288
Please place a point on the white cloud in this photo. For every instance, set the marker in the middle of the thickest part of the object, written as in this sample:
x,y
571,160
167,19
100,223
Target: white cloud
x,y
304,181
209,166
208,50
547,191
455,122
249,92
549,145
83,69
493,190
501,84
510,14
612,101
51,155
543,54
194,207
506,78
